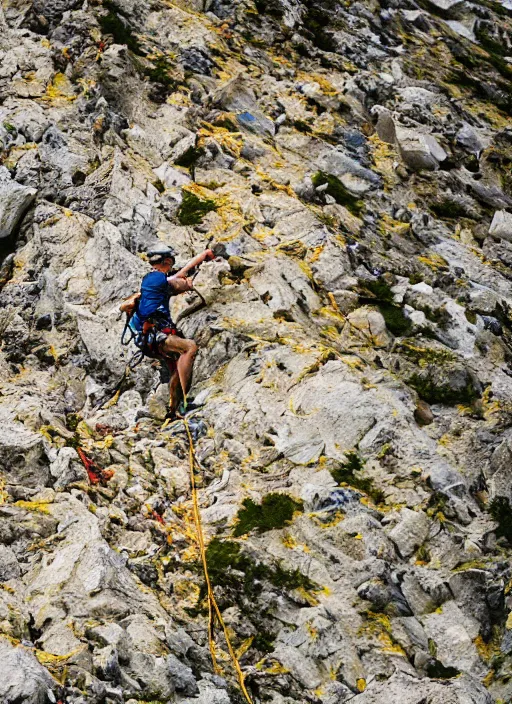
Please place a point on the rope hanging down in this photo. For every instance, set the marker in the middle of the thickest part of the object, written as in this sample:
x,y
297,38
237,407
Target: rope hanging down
x,y
213,609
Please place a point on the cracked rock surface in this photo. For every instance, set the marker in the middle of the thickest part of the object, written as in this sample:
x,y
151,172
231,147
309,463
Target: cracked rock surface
x,y
352,161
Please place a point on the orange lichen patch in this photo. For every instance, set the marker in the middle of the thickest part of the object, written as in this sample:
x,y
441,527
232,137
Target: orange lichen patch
x,y
16,153
434,261
388,226
39,506
231,142
56,662
60,89
4,495
313,632
385,156
274,184
275,668
378,627
491,649
244,647
86,84
326,86
315,254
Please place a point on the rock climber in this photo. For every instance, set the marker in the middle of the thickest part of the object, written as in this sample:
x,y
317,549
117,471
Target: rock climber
x,y
152,310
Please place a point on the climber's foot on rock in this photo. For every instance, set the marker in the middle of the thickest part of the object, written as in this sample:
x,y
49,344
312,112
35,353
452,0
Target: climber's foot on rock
x,y
184,409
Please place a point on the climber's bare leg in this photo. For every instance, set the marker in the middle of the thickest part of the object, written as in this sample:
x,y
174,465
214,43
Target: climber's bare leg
x,y
187,349
174,393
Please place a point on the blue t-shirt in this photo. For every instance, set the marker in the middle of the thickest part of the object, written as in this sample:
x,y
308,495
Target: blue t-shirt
x,y
155,294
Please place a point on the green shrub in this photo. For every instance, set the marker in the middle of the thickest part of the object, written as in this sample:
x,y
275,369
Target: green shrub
x,y
115,24
348,473
193,209
275,511
501,511
338,191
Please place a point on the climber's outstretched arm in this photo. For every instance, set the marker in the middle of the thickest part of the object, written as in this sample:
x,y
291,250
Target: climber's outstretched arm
x,y
180,284
195,261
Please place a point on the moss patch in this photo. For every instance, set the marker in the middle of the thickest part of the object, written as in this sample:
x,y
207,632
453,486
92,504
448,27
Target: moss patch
x,y
424,356
264,641
437,670
189,158
396,320
448,208
349,473
72,421
338,191
423,555
501,511
229,567
433,390
275,511
227,121
193,209
113,23
377,288
161,72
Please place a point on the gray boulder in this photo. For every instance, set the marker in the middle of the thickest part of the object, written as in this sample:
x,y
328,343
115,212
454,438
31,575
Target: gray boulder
x,y
356,178
468,138
53,10
9,567
423,590
210,693
22,456
22,678
501,225
454,634
411,532
451,8
14,201
67,468
470,592
499,470
405,689
418,149
238,97
4,30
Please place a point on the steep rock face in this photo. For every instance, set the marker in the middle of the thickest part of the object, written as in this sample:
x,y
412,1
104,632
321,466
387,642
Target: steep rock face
x,y
352,161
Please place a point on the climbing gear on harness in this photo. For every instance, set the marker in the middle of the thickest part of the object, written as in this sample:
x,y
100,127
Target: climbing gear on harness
x,y
149,342
154,332
213,608
148,339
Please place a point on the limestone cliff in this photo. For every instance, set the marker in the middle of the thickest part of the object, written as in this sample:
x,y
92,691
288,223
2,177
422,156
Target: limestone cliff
x,y
354,376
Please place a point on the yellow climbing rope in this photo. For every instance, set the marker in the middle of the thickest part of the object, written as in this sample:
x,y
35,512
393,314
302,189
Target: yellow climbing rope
x,y
213,609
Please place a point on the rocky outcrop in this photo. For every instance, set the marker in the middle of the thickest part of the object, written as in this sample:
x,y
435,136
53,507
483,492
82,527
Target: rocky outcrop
x,y
23,678
350,165
14,201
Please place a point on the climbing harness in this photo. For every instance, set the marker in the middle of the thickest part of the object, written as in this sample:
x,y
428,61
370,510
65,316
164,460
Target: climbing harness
x,y
154,331
148,340
213,608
